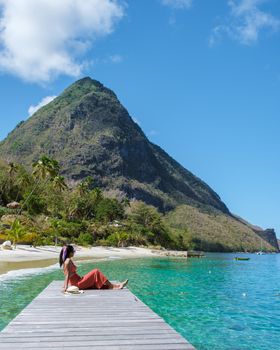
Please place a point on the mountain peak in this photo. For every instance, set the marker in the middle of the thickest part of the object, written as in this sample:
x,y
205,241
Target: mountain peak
x,y
91,134
87,81
83,87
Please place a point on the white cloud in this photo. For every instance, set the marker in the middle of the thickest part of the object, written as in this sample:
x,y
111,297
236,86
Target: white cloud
x,y
41,39
111,59
116,58
245,22
218,33
177,4
32,109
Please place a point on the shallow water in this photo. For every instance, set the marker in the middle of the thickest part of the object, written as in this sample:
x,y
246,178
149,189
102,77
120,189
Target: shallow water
x,y
215,302
18,265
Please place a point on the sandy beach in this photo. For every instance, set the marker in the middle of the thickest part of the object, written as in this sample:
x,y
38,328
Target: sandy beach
x,y
29,257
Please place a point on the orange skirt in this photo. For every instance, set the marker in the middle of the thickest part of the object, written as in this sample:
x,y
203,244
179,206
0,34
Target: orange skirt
x,y
92,280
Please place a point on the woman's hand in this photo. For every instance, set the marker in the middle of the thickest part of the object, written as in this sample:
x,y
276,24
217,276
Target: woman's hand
x,y
63,290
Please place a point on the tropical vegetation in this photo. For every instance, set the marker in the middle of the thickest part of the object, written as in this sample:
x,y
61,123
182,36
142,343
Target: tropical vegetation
x,y
39,206
50,210
106,157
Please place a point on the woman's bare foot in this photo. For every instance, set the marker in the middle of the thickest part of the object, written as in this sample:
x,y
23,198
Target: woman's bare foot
x,y
124,283
120,285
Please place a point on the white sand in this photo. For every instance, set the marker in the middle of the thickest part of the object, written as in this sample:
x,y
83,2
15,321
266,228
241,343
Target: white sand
x,y
26,253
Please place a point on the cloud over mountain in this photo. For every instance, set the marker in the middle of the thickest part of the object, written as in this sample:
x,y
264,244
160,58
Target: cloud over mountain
x,y
32,109
40,40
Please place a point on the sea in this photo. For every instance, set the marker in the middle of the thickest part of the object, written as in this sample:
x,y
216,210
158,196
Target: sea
x,y
215,302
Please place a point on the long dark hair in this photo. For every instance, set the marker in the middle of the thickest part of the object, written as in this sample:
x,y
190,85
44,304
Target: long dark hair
x,y
65,253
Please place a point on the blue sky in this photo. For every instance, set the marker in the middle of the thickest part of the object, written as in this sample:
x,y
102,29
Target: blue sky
x,y
202,78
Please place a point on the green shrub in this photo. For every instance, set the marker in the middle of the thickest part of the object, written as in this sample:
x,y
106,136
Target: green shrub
x,y
85,239
108,210
68,229
34,204
31,238
119,239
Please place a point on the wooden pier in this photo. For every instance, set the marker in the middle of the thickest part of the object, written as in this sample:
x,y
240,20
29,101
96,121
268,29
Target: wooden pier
x,y
104,319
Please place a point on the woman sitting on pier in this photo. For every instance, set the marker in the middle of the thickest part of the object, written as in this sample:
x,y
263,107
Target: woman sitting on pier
x,y
92,280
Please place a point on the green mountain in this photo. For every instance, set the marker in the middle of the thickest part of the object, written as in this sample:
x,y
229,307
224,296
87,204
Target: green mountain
x,y
211,230
90,133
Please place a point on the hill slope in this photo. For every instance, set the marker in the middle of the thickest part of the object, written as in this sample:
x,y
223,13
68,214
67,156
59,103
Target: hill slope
x,y
91,134
211,230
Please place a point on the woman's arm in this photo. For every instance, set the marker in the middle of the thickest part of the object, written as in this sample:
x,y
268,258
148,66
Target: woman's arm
x,y
66,280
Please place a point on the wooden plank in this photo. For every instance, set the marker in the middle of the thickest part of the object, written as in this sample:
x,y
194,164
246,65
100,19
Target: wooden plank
x,y
110,347
105,319
61,337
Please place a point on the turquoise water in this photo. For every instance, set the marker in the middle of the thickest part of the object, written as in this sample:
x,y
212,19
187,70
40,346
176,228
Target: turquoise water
x,y
215,302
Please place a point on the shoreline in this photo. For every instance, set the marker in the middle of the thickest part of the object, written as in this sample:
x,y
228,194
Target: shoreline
x,y
24,257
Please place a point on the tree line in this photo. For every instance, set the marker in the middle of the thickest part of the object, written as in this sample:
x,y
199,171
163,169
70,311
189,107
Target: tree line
x,y
49,210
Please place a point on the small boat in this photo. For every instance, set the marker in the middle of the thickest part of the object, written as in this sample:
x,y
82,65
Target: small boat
x,y
242,259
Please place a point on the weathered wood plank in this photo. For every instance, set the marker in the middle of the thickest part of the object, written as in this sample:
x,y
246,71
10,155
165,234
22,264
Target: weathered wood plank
x,y
103,319
95,343
80,337
110,347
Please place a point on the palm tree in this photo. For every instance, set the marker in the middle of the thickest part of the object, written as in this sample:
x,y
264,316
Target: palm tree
x,y
85,185
12,170
97,194
125,202
23,181
83,188
146,216
46,167
122,239
16,232
59,183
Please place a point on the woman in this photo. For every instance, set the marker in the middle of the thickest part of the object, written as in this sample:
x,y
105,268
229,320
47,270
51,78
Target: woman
x,y
92,280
